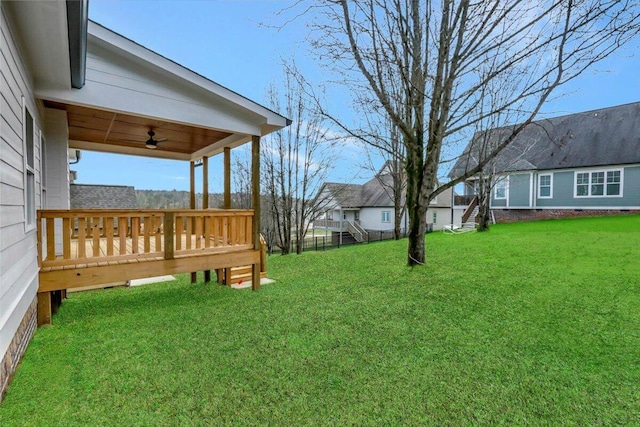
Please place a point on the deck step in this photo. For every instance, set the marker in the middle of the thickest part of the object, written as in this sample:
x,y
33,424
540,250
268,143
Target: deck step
x,y
243,274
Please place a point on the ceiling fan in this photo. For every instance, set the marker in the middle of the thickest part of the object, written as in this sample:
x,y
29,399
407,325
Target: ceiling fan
x,y
151,143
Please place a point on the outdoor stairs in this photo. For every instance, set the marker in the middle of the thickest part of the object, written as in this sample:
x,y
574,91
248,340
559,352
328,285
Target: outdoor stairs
x,y
243,274
474,214
357,232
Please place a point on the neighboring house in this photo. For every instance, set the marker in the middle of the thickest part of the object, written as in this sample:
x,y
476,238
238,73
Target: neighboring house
x,y
583,164
359,209
87,196
70,83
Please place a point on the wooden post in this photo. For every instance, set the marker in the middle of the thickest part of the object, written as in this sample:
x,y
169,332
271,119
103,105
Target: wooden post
x,y
44,308
192,205
227,178
205,203
221,273
255,204
192,185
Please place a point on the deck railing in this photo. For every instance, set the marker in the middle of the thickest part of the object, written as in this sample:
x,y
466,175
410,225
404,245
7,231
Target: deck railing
x,y
96,236
328,223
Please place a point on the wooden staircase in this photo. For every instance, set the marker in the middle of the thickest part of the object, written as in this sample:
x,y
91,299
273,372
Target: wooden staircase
x,y
234,275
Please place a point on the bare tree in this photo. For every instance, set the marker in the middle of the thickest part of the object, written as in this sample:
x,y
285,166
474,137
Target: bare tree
x,y
297,159
440,56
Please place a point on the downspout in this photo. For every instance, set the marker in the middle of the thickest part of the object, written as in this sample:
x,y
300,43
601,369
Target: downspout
x,y
77,21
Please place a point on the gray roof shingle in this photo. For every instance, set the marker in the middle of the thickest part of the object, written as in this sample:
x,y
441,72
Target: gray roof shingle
x,y
87,196
608,136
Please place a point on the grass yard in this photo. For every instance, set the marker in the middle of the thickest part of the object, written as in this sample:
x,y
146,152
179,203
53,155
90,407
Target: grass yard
x,y
529,324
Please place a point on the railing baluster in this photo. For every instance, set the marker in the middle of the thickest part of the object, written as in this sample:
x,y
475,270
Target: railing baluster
x,y
122,234
207,231
135,230
95,223
168,235
108,226
157,221
66,238
147,234
81,241
179,232
198,231
189,232
51,242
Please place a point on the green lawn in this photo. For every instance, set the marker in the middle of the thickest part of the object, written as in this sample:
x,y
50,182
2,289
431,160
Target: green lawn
x,y
529,324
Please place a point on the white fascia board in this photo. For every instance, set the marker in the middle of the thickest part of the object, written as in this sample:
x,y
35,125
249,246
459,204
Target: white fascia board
x,y
115,41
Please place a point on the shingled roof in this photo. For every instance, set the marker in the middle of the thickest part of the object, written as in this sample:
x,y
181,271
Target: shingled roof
x,y
608,136
86,196
374,193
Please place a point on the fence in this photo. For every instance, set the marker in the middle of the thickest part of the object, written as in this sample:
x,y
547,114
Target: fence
x,y
324,243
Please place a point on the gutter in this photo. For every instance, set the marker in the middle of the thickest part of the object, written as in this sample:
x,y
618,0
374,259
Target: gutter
x,y
77,21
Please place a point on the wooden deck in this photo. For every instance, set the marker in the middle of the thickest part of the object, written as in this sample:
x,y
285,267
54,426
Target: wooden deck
x,y
80,248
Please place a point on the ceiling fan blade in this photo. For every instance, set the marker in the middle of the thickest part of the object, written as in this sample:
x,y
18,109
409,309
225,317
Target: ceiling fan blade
x,y
161,139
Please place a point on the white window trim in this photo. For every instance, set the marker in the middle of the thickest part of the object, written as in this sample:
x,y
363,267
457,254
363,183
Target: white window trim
x,y
388,215
28,169
550,196
591,171
506,188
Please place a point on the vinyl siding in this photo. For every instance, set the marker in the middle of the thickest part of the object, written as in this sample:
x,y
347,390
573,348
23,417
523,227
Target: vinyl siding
x,y
563,190
18,261
519,190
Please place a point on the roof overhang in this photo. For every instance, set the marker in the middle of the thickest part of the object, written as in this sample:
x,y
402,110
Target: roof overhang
x,y
129,90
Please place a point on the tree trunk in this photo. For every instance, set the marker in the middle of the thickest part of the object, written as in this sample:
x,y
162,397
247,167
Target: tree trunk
x,y
417,230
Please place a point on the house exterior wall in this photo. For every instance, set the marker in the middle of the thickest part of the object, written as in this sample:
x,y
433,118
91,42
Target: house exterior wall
x,y
564,185
371,218
18,254
524,188
520,190
442,217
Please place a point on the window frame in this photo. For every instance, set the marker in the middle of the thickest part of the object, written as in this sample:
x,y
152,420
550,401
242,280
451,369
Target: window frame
x,y
501,181
29,170
386,214
605,183
550,196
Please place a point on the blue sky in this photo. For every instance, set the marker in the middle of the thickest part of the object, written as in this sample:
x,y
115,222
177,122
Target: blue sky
x,y
225,42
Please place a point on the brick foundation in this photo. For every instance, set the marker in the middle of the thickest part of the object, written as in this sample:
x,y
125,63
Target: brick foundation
x,y
18,346
517,215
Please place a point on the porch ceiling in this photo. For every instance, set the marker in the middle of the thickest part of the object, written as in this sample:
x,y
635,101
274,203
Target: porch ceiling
x,y
101,130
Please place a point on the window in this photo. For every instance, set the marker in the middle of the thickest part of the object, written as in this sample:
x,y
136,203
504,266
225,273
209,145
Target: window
x,y
599,183
29,167
613,183
500,191
544,186
435,217
386,216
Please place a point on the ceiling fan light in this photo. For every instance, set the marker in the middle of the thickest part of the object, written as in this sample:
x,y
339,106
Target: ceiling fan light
x,y
151,145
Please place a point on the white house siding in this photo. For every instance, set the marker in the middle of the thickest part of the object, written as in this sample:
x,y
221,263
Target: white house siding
x,y
18,260
371,219
443,217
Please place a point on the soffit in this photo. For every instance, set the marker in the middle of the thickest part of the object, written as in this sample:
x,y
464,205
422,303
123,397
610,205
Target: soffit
x,y
102,130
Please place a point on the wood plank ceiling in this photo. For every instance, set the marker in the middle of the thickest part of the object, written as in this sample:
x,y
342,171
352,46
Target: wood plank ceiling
x,y
127,131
